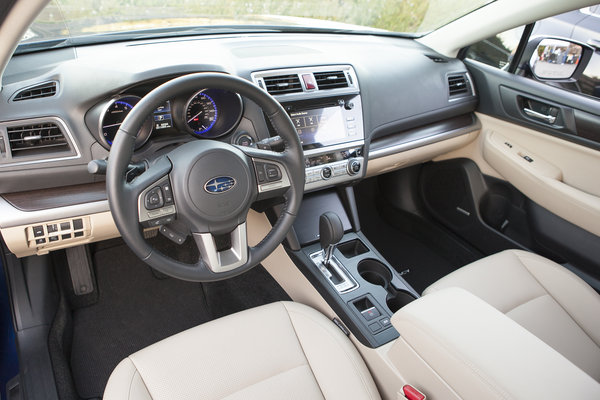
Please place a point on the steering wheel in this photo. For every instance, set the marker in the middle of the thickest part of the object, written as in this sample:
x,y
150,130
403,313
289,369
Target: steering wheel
x,y
206,185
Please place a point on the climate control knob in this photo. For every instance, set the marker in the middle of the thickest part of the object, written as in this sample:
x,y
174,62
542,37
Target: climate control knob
x,y
353,167
326,173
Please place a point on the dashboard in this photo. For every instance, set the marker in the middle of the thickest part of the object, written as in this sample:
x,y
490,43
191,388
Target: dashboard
x,y
362,105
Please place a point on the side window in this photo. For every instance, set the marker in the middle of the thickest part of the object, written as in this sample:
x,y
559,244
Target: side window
x,y
498,50
581,25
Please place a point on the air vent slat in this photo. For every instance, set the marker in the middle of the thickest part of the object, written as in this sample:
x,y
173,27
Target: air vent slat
x,y
47,89
36,139
331,80
283,84
457,84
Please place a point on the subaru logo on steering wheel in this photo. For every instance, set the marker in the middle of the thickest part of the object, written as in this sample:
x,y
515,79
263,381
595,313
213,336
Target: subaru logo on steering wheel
x,y
219,184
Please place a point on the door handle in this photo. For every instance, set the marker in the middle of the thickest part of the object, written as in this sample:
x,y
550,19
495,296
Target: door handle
x,y
534,114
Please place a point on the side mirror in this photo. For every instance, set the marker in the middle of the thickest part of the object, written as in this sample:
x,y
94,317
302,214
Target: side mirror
x,y
556,59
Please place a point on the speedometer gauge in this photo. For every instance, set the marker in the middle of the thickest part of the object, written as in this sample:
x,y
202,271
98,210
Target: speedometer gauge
x,y
201,113
212,113
113,116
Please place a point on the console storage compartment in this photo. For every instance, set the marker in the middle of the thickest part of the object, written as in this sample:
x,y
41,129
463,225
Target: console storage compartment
x,y
453,345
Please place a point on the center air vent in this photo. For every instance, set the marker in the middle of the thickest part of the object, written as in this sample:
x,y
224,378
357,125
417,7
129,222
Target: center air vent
x,y
31,140
457,84
331,80
46,89
283,84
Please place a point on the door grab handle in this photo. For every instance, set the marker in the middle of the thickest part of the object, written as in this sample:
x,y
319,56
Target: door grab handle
x,y
534,114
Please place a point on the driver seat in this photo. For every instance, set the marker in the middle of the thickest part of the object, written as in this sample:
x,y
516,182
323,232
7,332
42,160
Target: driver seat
x,y
282,350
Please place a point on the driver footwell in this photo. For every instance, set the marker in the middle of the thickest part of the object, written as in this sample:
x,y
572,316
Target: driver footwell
x,y
135,307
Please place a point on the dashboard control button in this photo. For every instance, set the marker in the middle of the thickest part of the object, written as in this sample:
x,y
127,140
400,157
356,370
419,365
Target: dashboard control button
x,y
53,239
154,199
78,234
51,228
65,226
326,172
78,223
374,327
38,230
244,140
66,236
370,313
40,241
353,167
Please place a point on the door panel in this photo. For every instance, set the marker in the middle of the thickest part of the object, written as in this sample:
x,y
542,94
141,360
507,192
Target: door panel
x,y
553,164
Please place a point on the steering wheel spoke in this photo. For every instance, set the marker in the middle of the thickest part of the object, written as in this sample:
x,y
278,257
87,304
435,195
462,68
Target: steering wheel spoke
x,y
271,169
219,258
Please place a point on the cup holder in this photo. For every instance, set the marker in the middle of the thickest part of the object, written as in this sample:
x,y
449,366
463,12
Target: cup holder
x,y
398,300
375,272
378,274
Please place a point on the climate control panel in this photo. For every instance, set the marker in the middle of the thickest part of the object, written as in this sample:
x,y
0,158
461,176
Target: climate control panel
x,y
333,167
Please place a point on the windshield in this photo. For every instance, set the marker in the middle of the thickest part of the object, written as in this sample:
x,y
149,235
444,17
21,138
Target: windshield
x,y
91,19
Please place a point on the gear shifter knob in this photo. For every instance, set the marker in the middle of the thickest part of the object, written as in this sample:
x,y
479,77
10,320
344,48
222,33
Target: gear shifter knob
x,y
331,231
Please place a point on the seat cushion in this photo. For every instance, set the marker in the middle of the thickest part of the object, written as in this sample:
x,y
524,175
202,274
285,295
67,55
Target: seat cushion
x,y
542,296
281,350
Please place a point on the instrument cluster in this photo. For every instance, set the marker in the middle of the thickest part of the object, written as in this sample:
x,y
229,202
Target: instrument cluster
x,y
206,113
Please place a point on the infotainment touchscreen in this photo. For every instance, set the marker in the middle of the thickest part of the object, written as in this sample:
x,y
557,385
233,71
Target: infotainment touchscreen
x,y
320,127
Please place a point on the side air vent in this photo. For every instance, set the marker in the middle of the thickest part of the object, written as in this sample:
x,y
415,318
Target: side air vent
x,y
47,89
436,59
457,85
283,84
38,139
331,80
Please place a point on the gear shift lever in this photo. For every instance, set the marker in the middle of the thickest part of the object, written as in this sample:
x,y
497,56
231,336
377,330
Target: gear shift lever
x,y
330,232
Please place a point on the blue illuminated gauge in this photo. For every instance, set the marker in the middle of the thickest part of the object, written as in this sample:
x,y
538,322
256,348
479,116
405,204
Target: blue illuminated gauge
x,y
201,114
113,116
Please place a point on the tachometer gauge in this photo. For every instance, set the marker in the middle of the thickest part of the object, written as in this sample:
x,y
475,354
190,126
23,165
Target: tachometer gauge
x,y
114,115
201,114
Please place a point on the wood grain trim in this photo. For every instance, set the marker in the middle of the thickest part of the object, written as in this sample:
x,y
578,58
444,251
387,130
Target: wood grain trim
x,y
45,199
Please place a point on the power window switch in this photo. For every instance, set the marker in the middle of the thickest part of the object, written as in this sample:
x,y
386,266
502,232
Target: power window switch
x,y
370,313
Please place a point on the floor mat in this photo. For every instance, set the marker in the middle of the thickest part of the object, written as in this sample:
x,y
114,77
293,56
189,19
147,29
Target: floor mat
x,y
409,242
136,308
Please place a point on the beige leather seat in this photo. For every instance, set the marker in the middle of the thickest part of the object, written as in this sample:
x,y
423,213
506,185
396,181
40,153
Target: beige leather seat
x,y
545,298
279,351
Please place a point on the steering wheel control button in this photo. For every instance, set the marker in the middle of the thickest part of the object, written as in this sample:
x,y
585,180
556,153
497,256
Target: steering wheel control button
x,y
154,199
168,193
261,175
273,172
172,235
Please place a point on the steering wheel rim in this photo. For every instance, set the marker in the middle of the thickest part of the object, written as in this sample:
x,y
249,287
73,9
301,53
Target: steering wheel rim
x,y
124,198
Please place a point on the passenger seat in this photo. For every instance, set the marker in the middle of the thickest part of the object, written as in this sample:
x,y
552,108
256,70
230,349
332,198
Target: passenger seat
x,y
545,298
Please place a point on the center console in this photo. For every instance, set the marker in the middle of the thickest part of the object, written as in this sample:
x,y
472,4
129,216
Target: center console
x,y
325,106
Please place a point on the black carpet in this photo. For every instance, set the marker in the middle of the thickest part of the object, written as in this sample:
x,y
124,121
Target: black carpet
x,y
408,241
137,307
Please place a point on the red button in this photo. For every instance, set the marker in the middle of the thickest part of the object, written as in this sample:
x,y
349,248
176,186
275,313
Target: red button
x,y
412,394
309,81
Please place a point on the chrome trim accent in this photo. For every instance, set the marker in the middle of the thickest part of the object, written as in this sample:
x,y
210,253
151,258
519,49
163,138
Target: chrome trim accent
x,y
534,114
11,216
32,121
12,98
329,149
353,88
413,144
226,260
348,283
